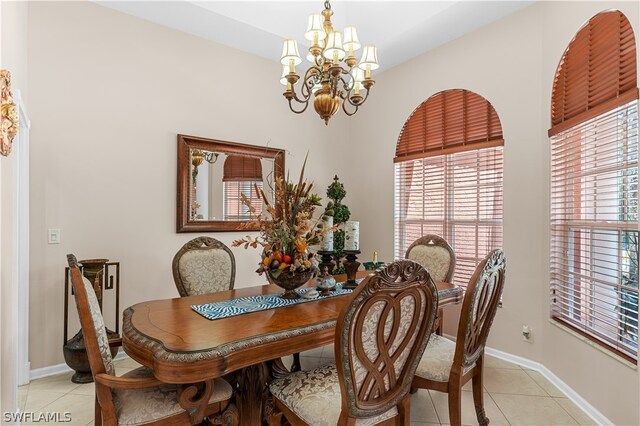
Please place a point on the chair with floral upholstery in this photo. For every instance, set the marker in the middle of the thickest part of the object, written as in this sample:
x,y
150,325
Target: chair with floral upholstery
x,y
203,265
436,256
380,336
137,398
446,366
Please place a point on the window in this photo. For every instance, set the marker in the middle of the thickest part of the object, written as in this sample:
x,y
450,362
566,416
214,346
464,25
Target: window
x,y
594,186
234,208
448,178
242,174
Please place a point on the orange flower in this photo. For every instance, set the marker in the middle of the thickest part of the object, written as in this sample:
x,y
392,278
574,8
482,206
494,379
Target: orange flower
x,y
301,246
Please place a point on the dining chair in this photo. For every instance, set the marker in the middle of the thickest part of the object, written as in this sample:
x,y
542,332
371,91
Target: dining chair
x,y
446,365
380,337
436,256
203,265
137,397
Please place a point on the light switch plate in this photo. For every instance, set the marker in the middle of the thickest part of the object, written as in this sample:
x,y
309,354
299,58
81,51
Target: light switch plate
x,y
54,236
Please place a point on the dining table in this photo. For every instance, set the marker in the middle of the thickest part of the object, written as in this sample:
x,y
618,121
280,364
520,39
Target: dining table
x,y
183,347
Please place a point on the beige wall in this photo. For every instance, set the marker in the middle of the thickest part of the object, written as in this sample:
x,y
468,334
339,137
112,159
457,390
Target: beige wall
x,y
110,93
512,64
13,57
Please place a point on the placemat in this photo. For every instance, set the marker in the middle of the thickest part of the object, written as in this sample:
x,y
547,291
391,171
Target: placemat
x,y
244,305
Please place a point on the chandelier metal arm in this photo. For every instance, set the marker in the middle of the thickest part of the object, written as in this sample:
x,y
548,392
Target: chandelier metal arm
x,y
306,105
344,108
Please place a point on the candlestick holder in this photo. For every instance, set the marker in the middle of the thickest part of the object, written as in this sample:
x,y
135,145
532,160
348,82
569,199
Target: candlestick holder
x,y
351,267
326,257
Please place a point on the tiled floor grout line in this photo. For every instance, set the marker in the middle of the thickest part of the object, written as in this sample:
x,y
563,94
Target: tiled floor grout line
x,y
433,404
552,397
499,409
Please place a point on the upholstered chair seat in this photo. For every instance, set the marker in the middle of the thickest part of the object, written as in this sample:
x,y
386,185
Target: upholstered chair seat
x,y
146,405
437,360
381,335
203,265
314,396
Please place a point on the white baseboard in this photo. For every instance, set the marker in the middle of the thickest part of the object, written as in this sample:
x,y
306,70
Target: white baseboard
x,y
584,405
24,374
52,370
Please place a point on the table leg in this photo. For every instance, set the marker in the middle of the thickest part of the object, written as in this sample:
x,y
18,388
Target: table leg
x,y
252,394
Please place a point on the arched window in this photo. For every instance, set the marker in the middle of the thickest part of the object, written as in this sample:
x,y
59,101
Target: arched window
x,y
448,177
594,185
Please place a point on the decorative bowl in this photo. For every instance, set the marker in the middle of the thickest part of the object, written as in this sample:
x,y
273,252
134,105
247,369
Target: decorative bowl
x,y
289,281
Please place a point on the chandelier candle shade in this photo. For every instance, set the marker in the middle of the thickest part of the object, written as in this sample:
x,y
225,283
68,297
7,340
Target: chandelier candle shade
x,y
335,78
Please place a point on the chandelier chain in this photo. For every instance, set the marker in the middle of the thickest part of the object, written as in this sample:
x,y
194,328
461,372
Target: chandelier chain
x,y
327,5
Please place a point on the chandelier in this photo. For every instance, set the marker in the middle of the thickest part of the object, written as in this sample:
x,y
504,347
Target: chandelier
x,y
333,79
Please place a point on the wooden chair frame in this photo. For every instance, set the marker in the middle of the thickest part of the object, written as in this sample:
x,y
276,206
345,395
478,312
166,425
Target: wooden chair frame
x,y
436,240
401,279
105,410
200,243
483,293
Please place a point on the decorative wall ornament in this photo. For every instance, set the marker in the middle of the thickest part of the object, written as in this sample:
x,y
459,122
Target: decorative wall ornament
x,y
9,119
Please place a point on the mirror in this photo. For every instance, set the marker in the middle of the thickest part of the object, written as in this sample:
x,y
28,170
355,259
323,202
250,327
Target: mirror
x,y
213,175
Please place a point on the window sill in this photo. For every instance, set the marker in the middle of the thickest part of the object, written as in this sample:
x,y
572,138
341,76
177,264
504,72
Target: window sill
x,y
594,345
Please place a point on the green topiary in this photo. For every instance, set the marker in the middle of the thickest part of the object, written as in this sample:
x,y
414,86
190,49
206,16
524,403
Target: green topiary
x,y
339,211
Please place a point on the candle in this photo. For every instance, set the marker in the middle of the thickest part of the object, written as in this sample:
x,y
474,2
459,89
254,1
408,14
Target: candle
x,y
375,257
352,235
327,236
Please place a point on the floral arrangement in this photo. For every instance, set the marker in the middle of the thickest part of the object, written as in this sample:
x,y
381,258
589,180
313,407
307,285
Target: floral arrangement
x,y
287,229
9,122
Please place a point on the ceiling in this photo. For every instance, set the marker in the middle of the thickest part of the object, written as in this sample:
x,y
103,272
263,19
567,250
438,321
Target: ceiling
x,y
400,29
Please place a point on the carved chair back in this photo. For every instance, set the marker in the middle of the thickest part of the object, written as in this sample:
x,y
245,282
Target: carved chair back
x,y
203,265
93,329
479,309
435,254
381,336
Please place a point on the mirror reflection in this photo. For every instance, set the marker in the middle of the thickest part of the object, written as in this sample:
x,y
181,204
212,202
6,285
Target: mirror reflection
x,y
218,181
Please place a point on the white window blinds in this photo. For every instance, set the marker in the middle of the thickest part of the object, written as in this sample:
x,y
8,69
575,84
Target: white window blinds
x,y
594,228
457,196
233,207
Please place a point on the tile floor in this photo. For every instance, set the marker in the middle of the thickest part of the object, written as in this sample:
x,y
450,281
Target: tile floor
x,y
513,396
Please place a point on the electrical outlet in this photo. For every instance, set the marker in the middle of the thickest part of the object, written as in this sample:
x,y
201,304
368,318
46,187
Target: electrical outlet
x,y
54,236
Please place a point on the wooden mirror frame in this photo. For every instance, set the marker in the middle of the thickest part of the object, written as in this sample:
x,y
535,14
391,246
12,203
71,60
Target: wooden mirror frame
x,y
185,144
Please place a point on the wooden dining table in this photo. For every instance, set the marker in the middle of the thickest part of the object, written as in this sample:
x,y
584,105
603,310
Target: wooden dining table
x,y
182,347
